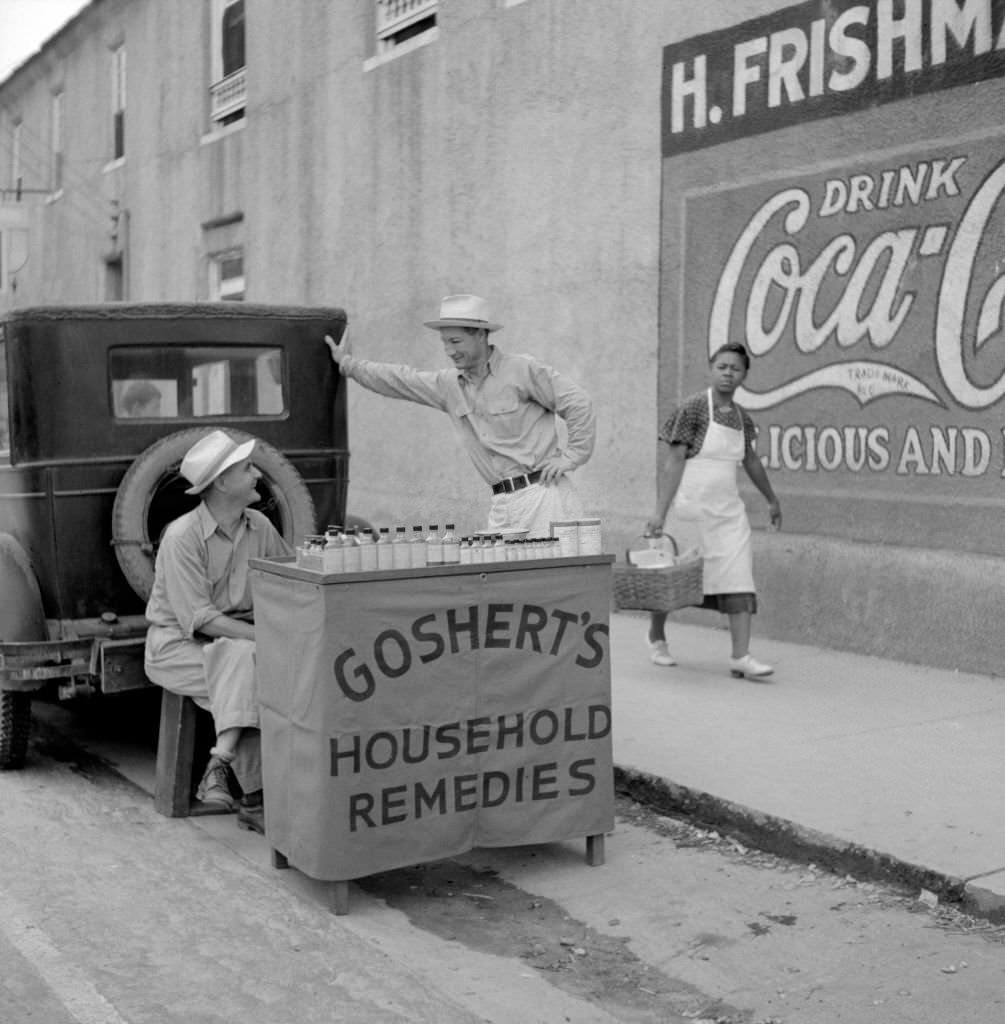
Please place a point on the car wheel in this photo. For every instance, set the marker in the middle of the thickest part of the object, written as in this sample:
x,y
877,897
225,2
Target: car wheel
x,y
152,494
15,728
22,620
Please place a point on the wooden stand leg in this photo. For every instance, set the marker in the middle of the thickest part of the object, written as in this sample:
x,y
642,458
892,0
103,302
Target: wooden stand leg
x,y
279,860
595,850
340,898
175,754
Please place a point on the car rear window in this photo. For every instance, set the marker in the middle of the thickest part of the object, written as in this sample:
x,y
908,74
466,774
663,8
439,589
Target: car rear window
x,y
188,382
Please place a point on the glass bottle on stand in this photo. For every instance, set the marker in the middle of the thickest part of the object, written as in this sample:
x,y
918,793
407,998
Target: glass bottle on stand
x,y
451,546
367,551
401,555
417,548
385,556
350,550
333,557
434,546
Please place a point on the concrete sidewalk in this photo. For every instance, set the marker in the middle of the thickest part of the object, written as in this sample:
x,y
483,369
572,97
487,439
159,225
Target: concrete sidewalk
x,y
858,763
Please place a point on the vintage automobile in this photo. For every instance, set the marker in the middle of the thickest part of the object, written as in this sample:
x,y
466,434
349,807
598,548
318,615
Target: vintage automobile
x,y
98,404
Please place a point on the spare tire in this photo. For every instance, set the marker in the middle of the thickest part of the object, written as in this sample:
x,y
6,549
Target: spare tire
x,y
152,493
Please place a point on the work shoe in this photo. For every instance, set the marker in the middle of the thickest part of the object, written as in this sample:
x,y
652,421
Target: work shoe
x,y
659,653
215,786
251,813
750,667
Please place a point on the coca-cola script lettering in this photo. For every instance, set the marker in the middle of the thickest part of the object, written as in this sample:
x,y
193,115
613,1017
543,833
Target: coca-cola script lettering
x,y
856,293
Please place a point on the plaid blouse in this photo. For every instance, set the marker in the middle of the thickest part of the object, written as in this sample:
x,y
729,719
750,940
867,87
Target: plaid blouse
x,y
688,424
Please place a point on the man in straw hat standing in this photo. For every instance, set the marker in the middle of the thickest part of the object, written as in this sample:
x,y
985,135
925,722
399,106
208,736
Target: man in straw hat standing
x,y
505,408
201,638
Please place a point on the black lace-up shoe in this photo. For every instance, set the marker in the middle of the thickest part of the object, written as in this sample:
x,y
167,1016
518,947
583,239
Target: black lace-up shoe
x,y
215,788
251,813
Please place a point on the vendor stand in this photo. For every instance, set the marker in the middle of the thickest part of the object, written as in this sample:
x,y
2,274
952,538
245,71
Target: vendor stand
x,y
414,714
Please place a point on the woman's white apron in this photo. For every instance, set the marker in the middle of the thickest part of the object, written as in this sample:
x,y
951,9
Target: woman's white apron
x,y
708,506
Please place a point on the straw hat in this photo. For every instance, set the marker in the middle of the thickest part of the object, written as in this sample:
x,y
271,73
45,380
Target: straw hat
x,y
464,311
210,456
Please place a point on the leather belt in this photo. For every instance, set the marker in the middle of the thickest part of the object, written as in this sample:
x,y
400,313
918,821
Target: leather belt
x,y
516,483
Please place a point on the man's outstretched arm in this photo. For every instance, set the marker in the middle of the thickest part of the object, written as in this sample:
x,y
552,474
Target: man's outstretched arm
x,y
389,379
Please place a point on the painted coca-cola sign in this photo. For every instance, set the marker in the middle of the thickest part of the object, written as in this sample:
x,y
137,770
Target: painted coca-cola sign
x,y
834,197
871,296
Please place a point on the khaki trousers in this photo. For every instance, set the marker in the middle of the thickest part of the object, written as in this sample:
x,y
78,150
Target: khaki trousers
x,y
220,677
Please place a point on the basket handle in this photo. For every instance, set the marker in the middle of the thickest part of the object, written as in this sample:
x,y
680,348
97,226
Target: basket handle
x,y
669,537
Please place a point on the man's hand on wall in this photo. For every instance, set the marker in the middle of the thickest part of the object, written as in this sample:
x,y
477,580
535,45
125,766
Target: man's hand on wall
x,y
342,349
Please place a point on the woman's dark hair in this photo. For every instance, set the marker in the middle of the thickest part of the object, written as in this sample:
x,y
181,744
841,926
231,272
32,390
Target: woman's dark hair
x,y
735,347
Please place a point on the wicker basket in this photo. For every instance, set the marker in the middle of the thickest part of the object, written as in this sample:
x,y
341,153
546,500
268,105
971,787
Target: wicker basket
x,y
659,590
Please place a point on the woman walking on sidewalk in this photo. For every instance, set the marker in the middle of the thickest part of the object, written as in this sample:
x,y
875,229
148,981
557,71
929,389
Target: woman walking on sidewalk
x,y
707,438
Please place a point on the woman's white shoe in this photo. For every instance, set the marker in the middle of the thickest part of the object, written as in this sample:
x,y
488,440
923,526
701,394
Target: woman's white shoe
x,y
750,667
659,653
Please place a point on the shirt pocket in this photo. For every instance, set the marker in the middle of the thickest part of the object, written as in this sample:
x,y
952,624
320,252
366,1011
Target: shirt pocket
x,y
503,416
503,408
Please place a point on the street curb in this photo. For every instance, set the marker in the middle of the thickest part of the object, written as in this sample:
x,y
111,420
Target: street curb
x,y
785,838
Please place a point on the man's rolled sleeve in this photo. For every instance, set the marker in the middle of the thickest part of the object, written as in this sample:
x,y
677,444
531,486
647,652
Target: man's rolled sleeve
x,y
572,404
188,591
391,380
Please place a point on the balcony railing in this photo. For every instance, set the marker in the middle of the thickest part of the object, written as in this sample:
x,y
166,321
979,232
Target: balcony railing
x,y
394,16
228,96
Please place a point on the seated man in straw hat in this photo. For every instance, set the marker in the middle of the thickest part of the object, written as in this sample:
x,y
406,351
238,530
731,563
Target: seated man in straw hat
x,y
201,638
505,409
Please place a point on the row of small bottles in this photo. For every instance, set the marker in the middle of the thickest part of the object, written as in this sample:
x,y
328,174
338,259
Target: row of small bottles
x,y
358,550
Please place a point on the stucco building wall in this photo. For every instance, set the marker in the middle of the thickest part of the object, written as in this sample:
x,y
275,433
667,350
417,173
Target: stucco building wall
x,y
514,153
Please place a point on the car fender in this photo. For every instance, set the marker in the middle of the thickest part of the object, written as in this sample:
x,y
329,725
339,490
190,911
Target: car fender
x,y
22,617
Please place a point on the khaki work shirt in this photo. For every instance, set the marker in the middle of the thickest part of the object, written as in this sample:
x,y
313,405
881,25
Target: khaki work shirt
x,y
202,573
507,421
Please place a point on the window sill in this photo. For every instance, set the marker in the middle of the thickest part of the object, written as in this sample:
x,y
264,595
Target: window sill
x,y
222,131
416,43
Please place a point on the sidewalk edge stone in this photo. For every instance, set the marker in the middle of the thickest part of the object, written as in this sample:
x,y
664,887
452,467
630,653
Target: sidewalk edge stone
x,y
787,839
981,901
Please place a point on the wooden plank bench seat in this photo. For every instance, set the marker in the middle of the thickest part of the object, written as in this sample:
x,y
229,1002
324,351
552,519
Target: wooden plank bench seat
x,y
184,728
175,755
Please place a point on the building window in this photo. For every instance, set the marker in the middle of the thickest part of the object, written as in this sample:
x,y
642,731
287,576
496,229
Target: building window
x,y
227,92
56,128
4,406
115,279
118,102
227,276
232,32
399,21
15,159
